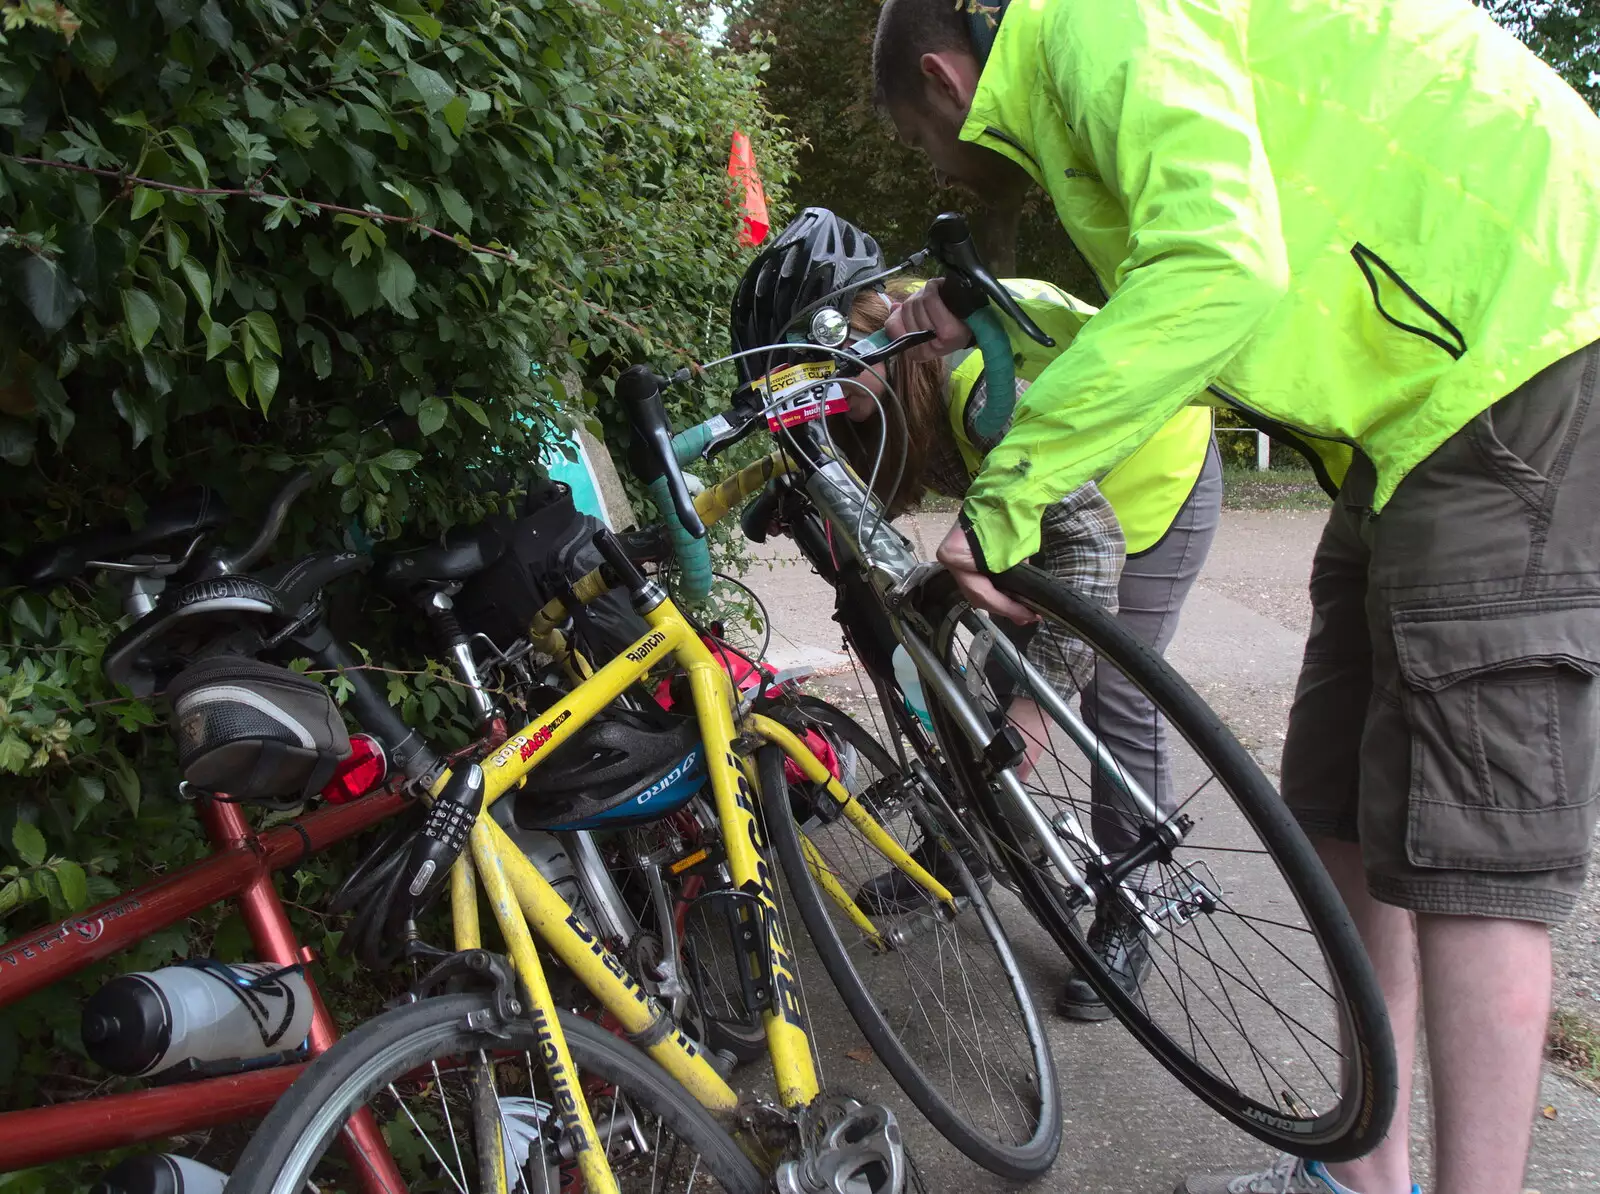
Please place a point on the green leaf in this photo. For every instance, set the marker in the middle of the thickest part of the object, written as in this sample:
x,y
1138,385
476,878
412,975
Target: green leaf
x,y
142,315
127,781
396,281
238,379
50,295
146,201
33,613
455,114
74,884
357,287
265,330
264,380
417,17
29,843
434,89
457,208
219,336
398,459
344,474
87,792
136,411
16,441
51,399
431,415
199,281
473,409
14,753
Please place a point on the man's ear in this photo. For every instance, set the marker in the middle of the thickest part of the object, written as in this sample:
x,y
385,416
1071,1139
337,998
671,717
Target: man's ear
x,y
951,80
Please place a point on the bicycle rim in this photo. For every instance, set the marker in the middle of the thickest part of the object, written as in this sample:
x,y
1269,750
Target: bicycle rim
x,y
432,1083
1258,995
945,1007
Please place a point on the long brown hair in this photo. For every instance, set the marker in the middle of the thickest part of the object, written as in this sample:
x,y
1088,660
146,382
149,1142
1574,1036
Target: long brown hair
x,y
920,388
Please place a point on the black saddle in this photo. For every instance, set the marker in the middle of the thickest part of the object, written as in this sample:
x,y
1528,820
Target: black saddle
x,y
464,553
226,615
168,523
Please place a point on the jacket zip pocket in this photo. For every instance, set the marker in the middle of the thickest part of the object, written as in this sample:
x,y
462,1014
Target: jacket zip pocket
x,y
1366,259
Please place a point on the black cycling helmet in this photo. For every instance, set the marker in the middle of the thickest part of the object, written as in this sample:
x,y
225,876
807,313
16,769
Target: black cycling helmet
x,y
815,256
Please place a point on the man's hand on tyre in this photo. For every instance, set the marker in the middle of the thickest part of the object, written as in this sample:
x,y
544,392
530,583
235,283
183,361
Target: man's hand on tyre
x,y
955,553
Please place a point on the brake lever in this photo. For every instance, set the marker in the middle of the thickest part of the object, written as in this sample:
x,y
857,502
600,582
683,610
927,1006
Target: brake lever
x,y
950,241
882,349
639,390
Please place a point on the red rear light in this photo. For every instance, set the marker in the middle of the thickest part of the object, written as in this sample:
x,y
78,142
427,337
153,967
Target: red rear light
x,y
357,775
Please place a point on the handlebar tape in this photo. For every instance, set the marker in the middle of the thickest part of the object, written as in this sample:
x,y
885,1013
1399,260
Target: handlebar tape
x,y
998,369
689,445
694,555
999,373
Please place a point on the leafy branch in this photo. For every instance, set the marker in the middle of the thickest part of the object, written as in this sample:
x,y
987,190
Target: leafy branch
x,y
132,183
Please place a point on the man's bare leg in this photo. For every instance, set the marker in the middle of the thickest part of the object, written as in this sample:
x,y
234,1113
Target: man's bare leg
x,y
1389,934
1486,995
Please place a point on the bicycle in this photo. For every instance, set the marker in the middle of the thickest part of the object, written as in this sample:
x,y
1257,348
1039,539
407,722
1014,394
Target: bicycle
x,y
1179,870
525,905
165,554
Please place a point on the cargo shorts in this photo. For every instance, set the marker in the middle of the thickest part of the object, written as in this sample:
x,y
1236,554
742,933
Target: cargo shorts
x,y
1447,715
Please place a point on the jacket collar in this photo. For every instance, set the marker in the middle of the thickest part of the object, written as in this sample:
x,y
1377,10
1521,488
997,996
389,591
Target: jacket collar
x,y
1000,118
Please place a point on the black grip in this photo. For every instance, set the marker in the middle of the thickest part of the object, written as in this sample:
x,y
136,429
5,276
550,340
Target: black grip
x,y
950,241
639,391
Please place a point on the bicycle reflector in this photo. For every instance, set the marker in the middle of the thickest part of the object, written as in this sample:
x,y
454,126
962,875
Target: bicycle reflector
x,y
364,770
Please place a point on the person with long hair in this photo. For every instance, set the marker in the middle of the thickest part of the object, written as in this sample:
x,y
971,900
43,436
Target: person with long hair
x,y
1133,541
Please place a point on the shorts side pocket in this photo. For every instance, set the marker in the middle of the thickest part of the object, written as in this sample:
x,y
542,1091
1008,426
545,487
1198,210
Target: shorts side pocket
x,y
1503,704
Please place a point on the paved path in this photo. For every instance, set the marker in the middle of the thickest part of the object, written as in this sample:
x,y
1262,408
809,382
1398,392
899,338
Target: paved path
x,y
1130,1129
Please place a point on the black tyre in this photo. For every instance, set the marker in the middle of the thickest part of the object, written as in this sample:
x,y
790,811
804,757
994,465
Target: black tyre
x,y
1259,995
656,1136
945,1006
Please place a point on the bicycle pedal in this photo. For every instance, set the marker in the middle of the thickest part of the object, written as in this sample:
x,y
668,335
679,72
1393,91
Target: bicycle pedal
x,y
847,1147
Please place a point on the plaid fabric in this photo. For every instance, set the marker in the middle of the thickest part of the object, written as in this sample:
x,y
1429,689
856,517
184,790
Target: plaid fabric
x,y
1083,548
1081,545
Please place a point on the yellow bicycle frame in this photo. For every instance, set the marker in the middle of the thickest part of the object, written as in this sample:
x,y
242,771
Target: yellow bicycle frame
x,y
526,906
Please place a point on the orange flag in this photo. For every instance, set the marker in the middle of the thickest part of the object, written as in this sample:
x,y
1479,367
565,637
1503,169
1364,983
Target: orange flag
x,y
742,169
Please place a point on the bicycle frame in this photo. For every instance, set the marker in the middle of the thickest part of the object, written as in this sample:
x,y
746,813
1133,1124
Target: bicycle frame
x,y
240,867
525,904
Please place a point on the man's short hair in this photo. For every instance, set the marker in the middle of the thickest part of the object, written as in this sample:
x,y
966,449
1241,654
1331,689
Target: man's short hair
x,y
908,29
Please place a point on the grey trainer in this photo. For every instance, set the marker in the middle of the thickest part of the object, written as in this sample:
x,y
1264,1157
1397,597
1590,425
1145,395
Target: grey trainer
x,y
1286,1175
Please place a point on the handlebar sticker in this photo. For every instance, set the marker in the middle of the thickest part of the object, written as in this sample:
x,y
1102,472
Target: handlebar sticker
x,y
817,406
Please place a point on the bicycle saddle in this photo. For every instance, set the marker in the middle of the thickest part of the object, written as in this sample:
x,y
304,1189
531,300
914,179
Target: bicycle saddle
x,y
465,552
298,582
171,521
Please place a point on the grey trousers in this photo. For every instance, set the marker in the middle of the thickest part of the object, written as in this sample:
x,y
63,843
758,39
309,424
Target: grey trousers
x,y
1152,591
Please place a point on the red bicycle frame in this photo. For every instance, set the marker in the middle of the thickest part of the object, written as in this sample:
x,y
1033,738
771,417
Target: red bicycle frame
x,y
241,867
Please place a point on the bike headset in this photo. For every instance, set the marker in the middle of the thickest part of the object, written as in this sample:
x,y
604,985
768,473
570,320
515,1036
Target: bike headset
x,y
983,26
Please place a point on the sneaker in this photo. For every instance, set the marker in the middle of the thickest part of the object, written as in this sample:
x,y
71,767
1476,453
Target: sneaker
x,y
1119,941
893,893
1286,1175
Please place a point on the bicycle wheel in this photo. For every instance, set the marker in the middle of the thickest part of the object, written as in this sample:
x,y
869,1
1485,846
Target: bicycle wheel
x,y
945,1006
424,1073
1259,996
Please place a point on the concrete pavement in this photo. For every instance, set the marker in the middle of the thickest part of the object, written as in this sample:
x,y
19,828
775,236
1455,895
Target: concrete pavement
x,y
1129,1127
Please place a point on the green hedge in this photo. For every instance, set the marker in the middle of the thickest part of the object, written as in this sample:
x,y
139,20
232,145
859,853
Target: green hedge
x,y
395,241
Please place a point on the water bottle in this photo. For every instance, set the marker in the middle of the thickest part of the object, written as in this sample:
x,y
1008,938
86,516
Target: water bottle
x,y
905,675
160,1173
200,1011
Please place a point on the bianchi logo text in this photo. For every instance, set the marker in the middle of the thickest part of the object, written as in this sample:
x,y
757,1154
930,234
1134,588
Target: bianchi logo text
x,y
642,652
